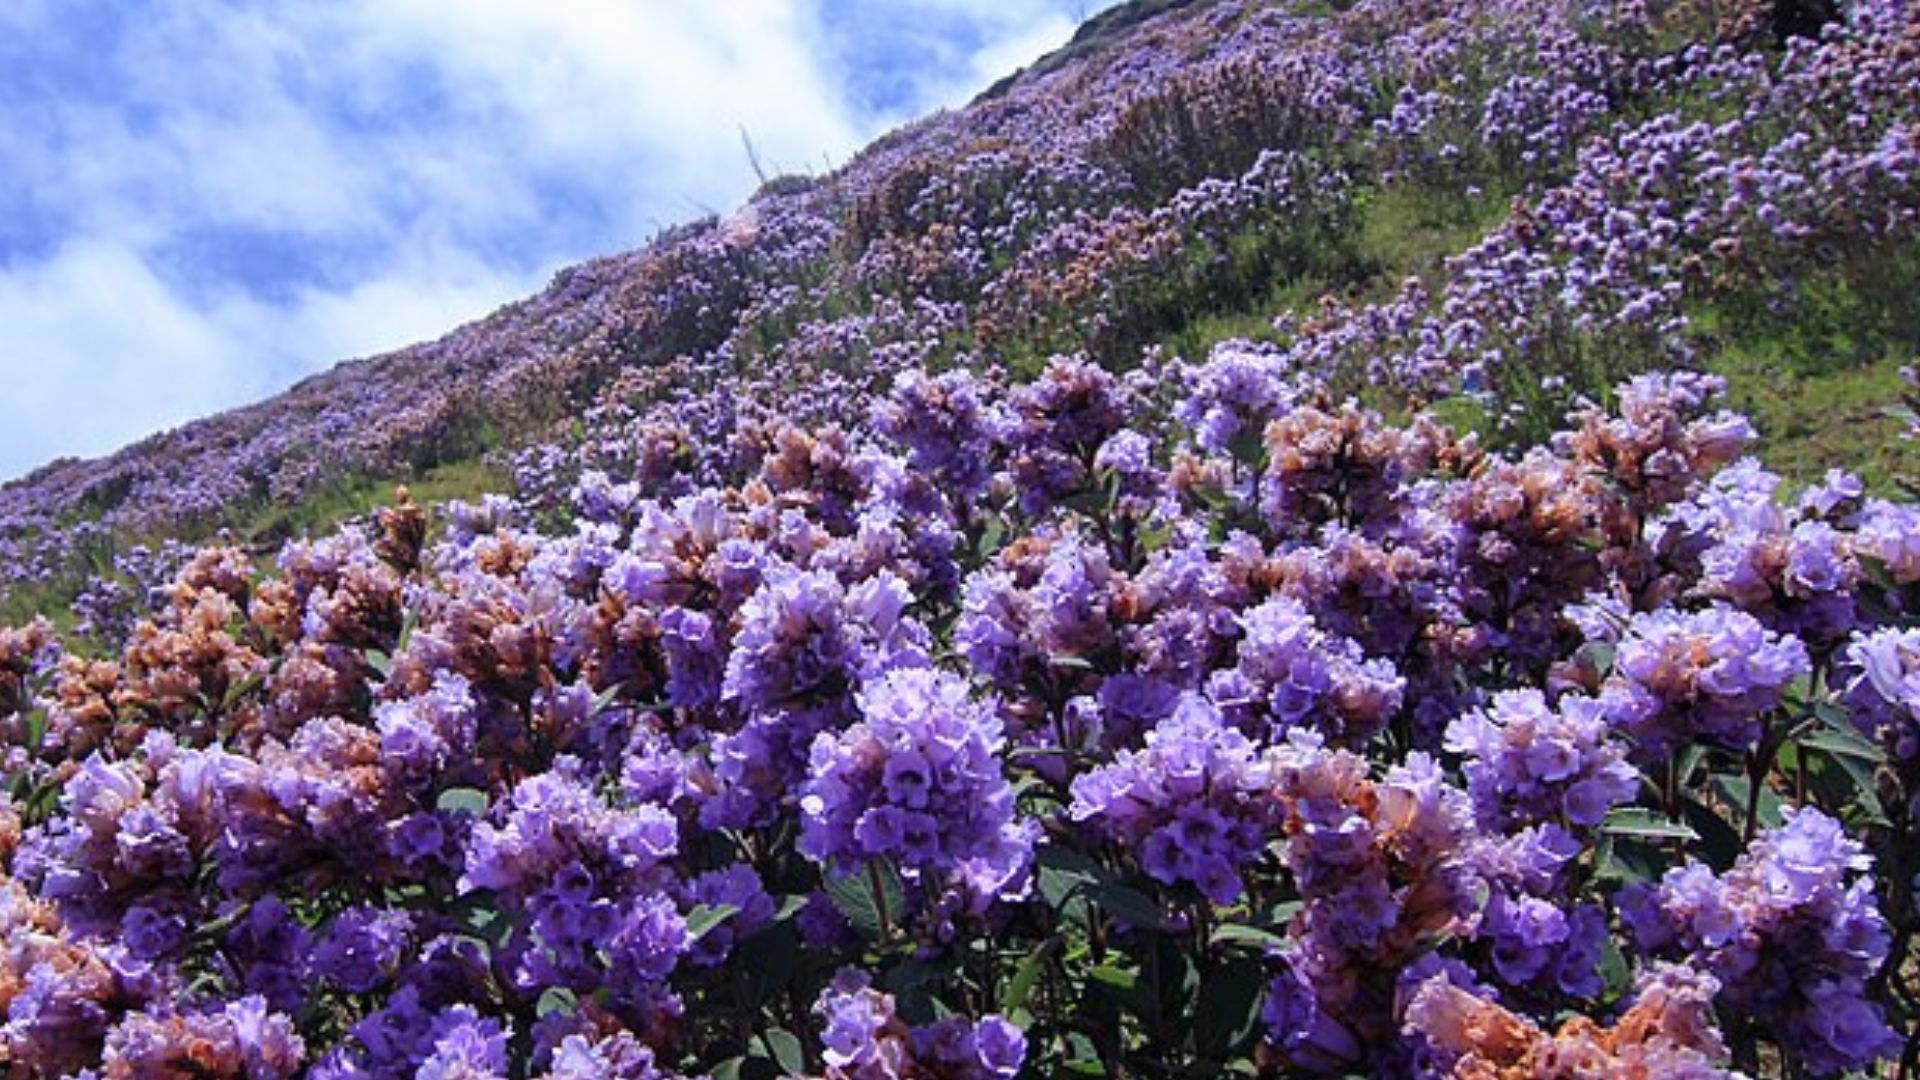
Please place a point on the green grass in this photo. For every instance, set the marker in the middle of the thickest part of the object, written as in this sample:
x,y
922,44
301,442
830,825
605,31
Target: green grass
x,y
466,479
1811,422
1816,384
1407,232
358,497
1818,377
20,604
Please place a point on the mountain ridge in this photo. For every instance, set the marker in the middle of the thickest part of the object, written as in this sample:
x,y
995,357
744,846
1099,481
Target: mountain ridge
x,y
1151,100
71,481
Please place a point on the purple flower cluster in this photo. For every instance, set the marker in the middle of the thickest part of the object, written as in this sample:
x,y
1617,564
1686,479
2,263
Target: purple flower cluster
x,y
422,739
1194,804
916,780
1527,763
1885,694
1708,677
805,636
1381,870
1291,674
589,881
946,427
1791,932
1667,1031
863,1038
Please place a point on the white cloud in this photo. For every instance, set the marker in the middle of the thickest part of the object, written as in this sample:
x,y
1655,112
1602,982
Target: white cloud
x,y
382,170
99,350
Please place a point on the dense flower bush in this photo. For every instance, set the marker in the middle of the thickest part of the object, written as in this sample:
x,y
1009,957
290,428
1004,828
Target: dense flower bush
x,y
894,663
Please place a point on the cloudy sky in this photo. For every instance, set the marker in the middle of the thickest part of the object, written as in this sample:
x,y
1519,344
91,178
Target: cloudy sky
x,y
204,200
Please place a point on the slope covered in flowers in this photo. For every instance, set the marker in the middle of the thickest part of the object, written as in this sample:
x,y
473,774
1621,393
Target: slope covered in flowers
x,y
899,657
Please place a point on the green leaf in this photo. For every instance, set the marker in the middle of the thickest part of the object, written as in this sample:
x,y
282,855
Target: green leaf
x,y
1215,499
1735,789
1129,905
241,689
872,898
1063,873
380,663
1032,784
1640,822
1082,1056
1283,912
787,1051
1862,787
1627,860
605,698
1227,1018
1020,987
748,1067
1244,936
484,918
1118,978
992,537
1600,655
1719,840
705,917
556,999
1615,973
1847,744
1689,759
471,800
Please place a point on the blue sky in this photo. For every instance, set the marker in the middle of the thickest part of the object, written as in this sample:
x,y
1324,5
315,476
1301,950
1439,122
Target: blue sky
x,y
205,200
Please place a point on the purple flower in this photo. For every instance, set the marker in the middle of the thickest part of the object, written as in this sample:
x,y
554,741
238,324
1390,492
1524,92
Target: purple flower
x,y
1890,534
1884,693
1193,804
1526,763
616,1057
917,780
1792,932
555,826
466,1046
1708,677
243,1039
735,886
1305,1033
863,1039
1541,941
1292,674
361,948
947,426
422,737
804,635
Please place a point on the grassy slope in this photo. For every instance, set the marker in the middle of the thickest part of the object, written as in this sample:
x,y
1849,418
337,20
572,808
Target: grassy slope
x,y
1816,381
1817,388
466,479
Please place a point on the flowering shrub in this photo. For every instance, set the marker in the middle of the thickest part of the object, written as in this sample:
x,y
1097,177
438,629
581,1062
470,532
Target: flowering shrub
x,y
734,781
856,687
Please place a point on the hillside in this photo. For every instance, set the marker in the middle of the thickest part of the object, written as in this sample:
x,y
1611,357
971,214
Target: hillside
x,y
1108,200
1287,538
